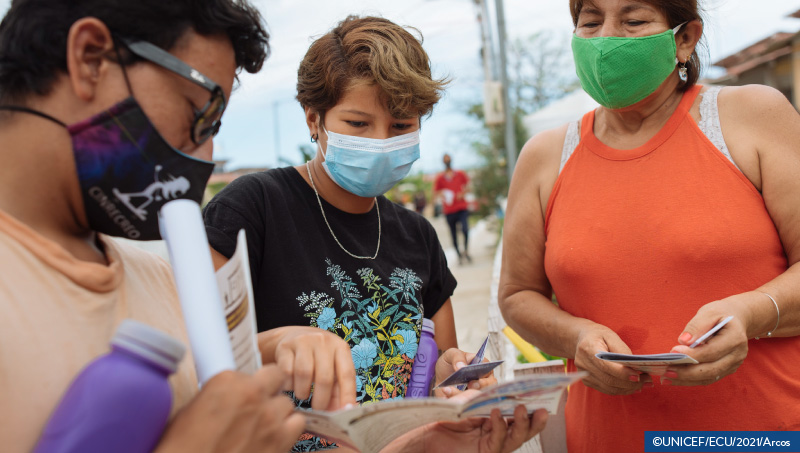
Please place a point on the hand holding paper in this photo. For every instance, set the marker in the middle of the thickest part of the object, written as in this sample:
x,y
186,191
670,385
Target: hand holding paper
x,y
469,373
656,364
653,364
475,370
720,349
371,427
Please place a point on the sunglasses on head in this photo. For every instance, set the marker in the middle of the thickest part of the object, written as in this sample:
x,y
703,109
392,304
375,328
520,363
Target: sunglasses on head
x,y
208,119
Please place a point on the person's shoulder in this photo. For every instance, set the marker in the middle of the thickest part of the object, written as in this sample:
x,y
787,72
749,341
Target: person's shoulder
x,y
146,255
542,151
754,103
257,185
266,178
549,141
757,116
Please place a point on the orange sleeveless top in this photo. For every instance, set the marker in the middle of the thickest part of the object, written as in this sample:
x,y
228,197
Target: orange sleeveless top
x,y
638,240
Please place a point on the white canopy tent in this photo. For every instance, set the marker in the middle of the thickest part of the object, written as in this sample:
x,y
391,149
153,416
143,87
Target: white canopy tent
x,y
569,108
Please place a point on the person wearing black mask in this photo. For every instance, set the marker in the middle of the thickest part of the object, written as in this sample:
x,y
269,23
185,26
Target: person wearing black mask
x,y
107,109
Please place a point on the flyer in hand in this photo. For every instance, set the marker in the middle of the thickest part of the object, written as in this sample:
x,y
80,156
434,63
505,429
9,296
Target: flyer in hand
x,y
655,364
236,292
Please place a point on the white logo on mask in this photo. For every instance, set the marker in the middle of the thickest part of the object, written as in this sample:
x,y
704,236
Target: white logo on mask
x,y
159,190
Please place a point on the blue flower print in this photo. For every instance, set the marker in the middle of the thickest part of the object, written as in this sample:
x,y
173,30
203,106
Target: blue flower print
x,y
359,383
354,333
326,318
409,344
364,354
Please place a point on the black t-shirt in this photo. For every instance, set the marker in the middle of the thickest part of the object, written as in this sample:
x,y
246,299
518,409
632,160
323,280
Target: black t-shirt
x,y
301,276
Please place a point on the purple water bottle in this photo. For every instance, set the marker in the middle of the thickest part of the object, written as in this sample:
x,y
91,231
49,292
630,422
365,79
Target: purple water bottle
x,y
424,363
121,401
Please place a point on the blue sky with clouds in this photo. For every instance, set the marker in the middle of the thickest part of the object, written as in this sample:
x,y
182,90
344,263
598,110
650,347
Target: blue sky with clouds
x,y
451,33
263,123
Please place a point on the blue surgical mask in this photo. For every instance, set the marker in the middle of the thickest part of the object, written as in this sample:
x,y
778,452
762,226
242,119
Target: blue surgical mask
x,y
369,167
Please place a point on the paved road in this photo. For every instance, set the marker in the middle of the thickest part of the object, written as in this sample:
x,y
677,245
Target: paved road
x,y
471,298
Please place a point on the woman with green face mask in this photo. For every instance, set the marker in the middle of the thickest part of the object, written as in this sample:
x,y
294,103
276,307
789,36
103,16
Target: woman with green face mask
x,y
667,209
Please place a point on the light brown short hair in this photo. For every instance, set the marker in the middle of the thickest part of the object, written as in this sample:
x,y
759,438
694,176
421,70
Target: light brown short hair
x,y
369,50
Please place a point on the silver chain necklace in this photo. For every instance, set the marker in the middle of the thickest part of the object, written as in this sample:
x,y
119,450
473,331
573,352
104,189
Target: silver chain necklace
x,y
324,217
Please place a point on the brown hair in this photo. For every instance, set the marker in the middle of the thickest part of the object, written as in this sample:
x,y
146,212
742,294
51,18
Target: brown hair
x,y
676,12
369,50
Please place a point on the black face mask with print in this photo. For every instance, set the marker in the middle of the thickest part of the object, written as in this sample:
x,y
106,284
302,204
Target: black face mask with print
x,y
127,171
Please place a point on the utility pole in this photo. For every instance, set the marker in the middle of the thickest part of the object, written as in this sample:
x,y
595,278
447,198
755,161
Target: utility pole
x,y
511,142
487,50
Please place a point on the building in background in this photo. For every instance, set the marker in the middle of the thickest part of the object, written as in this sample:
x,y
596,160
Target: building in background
x,y
773,61
221,177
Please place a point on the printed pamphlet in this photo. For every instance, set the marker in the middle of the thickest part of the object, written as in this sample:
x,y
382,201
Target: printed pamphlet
x,y
654,364
371,427
218,309
236,292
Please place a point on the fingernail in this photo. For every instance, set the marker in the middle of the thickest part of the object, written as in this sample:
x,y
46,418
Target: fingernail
x,y
666,382
634,378
671,374
460,365
447,390
475,385
685,337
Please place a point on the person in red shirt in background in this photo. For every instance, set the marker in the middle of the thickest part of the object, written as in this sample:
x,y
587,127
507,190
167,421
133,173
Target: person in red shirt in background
x,y
450,187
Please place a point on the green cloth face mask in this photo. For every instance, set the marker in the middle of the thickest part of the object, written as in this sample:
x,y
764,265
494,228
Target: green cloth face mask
x,y
618,72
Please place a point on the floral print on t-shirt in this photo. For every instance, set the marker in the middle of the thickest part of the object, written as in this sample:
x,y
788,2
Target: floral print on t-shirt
x,y
380,320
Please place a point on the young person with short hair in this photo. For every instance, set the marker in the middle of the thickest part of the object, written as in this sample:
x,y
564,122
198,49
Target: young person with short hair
x,y
99,98
342,276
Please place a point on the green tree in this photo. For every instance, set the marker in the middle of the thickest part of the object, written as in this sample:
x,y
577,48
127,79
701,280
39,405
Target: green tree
x,y
540,71
306,151
490,180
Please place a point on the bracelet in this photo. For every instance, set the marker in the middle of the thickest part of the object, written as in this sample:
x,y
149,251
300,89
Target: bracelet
x,y
769,334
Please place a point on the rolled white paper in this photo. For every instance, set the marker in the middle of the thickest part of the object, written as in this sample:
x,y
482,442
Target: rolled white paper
x,y
182,228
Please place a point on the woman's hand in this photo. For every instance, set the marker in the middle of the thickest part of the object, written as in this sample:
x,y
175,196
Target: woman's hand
x,y
607,377
719,355
451,361
309,355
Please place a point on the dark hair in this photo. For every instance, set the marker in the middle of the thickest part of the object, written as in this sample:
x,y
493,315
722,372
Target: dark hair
x,y
369,50
676,12
33,34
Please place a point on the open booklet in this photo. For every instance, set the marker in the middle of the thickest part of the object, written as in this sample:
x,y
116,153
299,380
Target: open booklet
x,y
371,427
